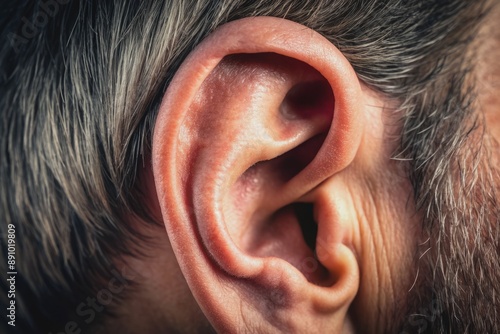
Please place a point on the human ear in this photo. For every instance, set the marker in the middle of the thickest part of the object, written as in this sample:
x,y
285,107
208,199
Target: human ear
x,y
259,115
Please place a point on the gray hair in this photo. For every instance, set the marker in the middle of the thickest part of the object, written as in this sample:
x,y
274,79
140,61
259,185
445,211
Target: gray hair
x,y
78,102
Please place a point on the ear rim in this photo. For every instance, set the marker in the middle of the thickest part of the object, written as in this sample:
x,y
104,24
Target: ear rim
x,y
327,60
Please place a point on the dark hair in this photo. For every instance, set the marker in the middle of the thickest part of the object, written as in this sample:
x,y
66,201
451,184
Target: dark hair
x,y
81,82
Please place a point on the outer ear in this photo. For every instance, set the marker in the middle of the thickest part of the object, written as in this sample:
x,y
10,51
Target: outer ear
x,y
261,113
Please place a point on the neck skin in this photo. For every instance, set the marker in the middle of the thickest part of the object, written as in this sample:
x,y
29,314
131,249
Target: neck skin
x,y
488,72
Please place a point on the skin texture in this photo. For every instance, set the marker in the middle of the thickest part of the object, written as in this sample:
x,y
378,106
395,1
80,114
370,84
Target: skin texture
x,y
222,184
488,73
267,199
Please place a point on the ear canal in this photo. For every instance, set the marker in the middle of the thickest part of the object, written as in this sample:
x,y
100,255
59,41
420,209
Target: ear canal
x,y
252,122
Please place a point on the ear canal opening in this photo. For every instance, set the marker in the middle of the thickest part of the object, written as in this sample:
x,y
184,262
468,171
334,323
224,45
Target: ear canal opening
x,y
290,233
308,226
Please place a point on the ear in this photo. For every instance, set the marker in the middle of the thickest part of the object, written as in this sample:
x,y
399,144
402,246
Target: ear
x,y
259,115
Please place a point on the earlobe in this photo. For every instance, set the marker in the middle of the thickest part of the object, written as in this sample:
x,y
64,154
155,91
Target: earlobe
x,y
258,116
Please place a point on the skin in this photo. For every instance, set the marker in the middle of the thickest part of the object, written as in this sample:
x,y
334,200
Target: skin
x,y
488,73
213,262
387,223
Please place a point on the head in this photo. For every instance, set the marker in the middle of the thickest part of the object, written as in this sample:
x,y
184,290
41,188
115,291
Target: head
x,y
233,166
